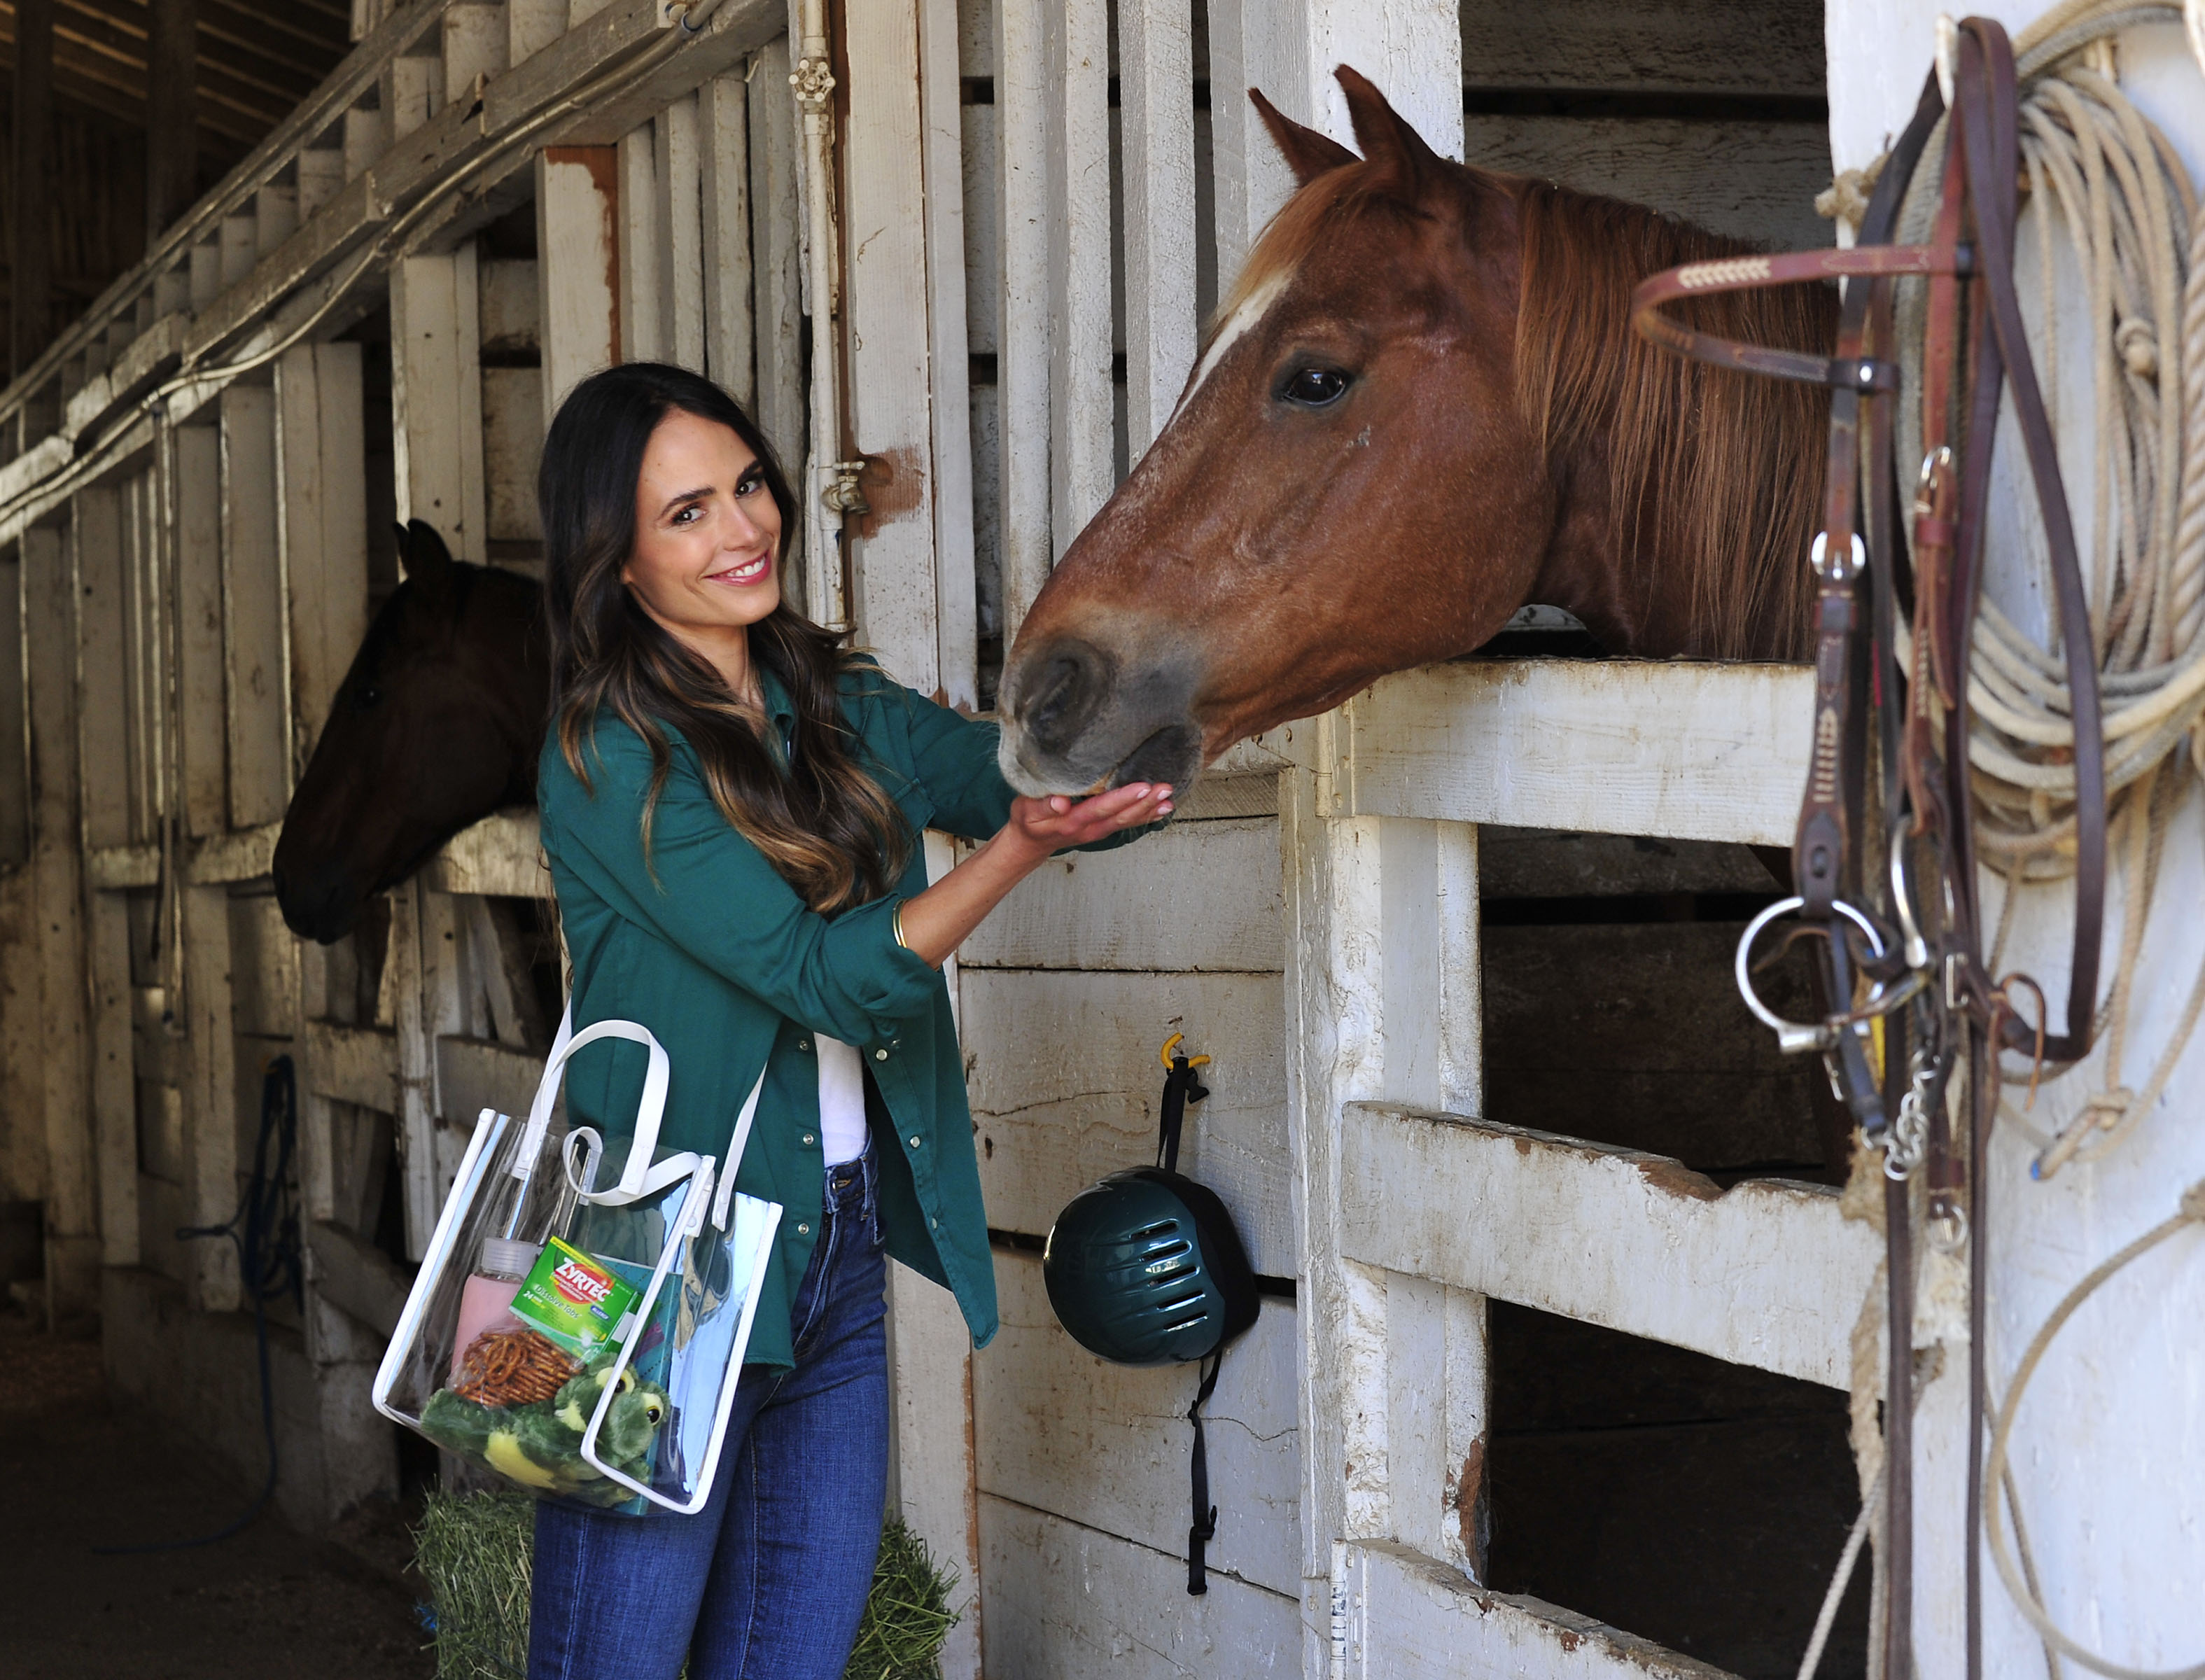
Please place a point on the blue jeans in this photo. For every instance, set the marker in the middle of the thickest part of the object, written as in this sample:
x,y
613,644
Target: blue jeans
x,y
766,1582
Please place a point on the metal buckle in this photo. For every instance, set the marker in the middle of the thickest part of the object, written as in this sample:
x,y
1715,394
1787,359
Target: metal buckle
x,y
1818,556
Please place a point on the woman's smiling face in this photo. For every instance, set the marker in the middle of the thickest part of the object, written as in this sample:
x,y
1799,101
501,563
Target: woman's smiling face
x,y
707,555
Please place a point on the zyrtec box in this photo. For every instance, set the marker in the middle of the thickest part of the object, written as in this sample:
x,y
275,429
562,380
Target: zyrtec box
x,y
574,1301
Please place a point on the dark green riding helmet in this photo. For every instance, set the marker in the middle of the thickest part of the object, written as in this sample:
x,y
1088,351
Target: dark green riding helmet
x,y
1145,1268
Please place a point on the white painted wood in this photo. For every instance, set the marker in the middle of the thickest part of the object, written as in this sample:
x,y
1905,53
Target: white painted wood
x,y
502,854
321,467
724,194
260,724
411,978
1065,1084
1197,896
937,1489
275,217
1064,1602
473,1076
475,47
1081,472
14,749
941,156
96,559
243,855
97,1140
680,235
513,447
143,665
357,1277
1157,119
1252,44
1106,1446
1023,362
643,336
1695,751
887,402
357,1064
321,178
413,93
1406,1617
1767,1274
578,264
366,132
240,247
531,26
777,255
436,398
210,1092
512,307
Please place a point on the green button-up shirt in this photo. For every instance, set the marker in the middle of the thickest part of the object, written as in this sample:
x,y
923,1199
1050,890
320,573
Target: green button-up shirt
x,y
705,944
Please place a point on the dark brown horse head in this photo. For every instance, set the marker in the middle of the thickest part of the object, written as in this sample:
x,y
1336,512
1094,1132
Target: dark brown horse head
x,y
1417,409
437,724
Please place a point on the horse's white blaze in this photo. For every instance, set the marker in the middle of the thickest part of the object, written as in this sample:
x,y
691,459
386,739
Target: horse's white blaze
x,y
1251,310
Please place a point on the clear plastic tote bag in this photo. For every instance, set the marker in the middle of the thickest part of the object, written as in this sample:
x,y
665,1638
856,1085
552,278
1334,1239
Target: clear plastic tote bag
x,y
581,1341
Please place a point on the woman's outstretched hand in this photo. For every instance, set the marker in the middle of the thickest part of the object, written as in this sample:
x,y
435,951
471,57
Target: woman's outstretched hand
x,y
1059,820
934,923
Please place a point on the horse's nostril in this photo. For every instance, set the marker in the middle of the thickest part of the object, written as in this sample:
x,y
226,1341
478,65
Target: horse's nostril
x,y
1064,694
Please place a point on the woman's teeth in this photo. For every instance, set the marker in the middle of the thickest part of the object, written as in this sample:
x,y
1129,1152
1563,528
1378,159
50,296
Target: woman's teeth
x,y
749,573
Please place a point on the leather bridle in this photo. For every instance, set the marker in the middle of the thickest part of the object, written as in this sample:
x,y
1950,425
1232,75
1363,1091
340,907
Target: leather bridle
x,y
1888,888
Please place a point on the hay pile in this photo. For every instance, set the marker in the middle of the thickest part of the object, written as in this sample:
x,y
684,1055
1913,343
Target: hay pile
x,y
473,1550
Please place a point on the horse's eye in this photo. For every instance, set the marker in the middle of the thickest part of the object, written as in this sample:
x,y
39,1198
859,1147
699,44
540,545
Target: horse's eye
x,y
1314,387
367,697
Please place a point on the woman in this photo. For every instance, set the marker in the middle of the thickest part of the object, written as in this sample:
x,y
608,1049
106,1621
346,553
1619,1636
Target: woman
x,y
732,805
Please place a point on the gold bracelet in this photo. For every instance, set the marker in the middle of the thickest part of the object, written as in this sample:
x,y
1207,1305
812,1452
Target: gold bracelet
x,y
896,920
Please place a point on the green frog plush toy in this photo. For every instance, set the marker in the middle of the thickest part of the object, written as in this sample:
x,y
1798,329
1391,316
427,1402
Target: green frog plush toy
x,y
539,1445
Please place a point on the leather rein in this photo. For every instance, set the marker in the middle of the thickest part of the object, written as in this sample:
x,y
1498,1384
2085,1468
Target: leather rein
x,y
1888,890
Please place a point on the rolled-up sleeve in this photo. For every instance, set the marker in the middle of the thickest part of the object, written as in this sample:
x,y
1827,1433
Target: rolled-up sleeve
x,y
708,892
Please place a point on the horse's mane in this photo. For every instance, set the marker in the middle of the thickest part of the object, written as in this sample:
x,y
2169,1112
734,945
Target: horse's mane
x,y
1718,474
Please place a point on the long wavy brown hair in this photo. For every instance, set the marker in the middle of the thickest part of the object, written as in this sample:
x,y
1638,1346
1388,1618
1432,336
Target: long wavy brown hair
x,y
821,820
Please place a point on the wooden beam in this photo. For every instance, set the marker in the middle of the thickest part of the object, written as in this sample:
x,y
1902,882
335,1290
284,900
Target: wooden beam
x,y
435,364
252,610
942,155
577,265
357,1276
30,218
1023,217
1614,746
321,468
172,113
1767,1274
1156,74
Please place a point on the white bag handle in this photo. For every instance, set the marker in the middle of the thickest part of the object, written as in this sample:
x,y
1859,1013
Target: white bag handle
x,y
640,1177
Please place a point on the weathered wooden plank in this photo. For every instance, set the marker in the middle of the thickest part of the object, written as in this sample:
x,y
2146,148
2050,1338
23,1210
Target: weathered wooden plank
x,y
1081,468
357,1276
96,558
321,178
1106,1446
259,721
501,855
1557,864
410,979
436,398
931,1378
212,1092
942,161
321,464
1715,46
513,447
510,288
680,235
1063,1602
887,402
475,47
1697,752
14,720
532,25
1767,1274
264,961
95,1140
242,855
1410,1617
203,712
724,195
578,264
1065,1084
353,1065
1197,896
642,325
1023,215
144,644
1753,181
776,251
473,1076
1156,59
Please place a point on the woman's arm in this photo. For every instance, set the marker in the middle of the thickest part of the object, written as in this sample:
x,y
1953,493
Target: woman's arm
x,y
937,922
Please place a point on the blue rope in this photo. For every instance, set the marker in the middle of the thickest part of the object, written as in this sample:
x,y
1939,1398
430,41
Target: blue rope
x,y
265,1229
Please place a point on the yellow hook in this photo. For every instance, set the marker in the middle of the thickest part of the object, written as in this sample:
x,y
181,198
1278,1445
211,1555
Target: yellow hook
x,y
1164,1055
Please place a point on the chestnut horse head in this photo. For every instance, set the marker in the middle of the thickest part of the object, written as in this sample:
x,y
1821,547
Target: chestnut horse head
x,y
437,724
1419,408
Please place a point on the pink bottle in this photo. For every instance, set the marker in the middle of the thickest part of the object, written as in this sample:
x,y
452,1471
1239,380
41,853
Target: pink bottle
x,y
486,1301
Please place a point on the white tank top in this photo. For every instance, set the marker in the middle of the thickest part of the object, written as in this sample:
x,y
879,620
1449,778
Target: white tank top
x,y
842,1100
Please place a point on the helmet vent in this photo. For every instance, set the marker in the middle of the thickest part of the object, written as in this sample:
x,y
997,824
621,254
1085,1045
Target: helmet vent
x,y
1161,1228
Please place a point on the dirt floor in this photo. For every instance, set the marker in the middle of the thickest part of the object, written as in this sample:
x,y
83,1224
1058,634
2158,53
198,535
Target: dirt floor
x,y
266,1602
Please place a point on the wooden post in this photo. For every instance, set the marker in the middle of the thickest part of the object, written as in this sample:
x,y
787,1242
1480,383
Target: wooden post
x,y
31,256
777,259
643,327
50,621
1156,117
321,469
436,398
172,113
576,264
888,407
724,165
1023,215
211,1162
1081,429
259,709
956,592
678,235
203,720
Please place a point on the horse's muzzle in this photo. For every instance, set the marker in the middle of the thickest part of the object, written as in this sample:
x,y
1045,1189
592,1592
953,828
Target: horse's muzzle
x,y
1079,715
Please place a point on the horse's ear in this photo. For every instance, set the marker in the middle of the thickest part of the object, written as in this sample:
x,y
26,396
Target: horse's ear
x,y
423,557
1308,153
1389,139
